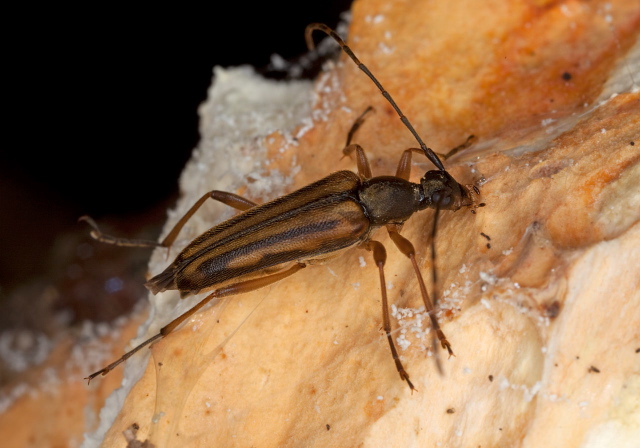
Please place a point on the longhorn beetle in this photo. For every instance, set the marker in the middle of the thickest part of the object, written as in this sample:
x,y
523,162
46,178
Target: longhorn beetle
x,y
284,235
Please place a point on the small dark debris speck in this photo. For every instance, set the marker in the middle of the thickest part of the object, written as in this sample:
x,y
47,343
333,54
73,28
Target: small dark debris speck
x,y
553,309
490,377
638,350
486,236
594,369
488,246
632,143
566,76
451,410
328,426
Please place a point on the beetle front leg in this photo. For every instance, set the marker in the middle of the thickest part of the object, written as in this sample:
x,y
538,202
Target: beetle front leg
x,y
405,246
380,257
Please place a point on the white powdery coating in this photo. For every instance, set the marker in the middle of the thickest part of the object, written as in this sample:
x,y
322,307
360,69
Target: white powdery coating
x,y
21,349
7,398
528,392
412,322
613,433
241,110
24,349
624,77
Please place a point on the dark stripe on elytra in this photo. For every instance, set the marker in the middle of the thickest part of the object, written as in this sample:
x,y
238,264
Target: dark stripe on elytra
x,y
215,270
283,208
221,260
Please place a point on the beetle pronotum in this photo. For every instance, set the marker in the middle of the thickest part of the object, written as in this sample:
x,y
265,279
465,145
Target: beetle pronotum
x,y
269,242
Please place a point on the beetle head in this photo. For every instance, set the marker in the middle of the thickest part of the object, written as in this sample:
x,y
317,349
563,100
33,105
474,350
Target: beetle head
x,y
439,189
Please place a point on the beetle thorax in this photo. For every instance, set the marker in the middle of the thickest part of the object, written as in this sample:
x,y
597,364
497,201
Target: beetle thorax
x,y
389,199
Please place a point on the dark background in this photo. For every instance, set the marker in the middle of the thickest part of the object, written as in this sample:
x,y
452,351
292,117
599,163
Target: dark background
x,y
100,105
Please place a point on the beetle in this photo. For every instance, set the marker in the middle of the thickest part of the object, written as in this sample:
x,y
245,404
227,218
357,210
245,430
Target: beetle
x,y
267,243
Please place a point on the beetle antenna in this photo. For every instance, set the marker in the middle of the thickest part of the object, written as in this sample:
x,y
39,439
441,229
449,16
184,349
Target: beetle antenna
x,y
325,29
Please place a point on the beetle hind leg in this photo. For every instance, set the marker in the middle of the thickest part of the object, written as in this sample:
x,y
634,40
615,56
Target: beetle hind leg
x,y
97,235
229,290
230,199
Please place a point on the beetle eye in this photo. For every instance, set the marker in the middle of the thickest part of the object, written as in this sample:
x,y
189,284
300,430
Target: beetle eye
x,y
441,198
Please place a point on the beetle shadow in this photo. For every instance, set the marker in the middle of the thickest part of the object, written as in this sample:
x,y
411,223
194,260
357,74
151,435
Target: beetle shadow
x,y
180,364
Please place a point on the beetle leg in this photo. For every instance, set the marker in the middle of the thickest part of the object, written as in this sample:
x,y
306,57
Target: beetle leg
x,y
405,246
468,142
235,288
97,235
404,166
364,169
380,257
356,124
230,199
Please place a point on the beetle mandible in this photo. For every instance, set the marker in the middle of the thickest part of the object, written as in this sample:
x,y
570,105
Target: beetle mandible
x,y
269,242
